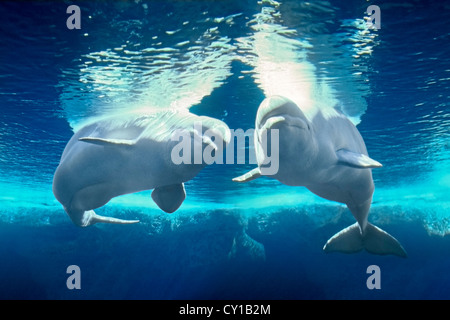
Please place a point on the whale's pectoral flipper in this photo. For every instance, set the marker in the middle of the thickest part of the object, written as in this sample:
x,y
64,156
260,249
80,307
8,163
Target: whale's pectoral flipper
x,y
169,198
249,176
373,239
108,142
354,159
88,218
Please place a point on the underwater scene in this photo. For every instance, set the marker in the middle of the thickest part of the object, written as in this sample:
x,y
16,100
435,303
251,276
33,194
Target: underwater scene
x,y
229,149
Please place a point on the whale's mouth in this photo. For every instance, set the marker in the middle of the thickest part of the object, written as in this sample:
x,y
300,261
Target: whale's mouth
x,y
215,127
223,132
303,126
285,119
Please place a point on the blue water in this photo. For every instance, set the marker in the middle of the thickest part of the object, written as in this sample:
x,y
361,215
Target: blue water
x,y
260,240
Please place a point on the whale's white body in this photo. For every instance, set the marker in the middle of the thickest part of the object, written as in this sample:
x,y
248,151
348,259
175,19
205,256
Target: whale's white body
x,y
126,154
324,152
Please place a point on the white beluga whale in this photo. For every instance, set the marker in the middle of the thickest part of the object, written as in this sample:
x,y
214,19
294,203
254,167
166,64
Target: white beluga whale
x,y
324,152
129,153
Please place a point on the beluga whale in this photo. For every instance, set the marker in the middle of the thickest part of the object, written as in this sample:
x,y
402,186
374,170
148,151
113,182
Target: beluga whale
x,y
322,150
133,152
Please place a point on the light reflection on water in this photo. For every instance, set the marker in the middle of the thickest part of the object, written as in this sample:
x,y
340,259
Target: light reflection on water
x,y
159,72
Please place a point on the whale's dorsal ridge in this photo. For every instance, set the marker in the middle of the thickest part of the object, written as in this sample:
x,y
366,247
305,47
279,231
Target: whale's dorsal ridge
x,y
357,160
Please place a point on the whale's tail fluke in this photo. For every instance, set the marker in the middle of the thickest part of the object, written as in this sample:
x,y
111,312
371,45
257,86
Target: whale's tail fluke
x,y
373,239
88,218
